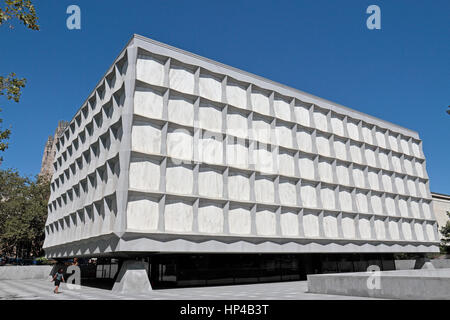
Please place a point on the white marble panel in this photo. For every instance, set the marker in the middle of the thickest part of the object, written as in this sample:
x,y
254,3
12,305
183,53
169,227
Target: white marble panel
x,y
148,103
393,142
355,152
384,160
430,232
367,134
181,111
150,70
210,183
325,171
264,190
403,207
405,146
238,186
418,228
237,124
364,228
210,117
289,224
265,222
146,138
210,149
237,95
340,149
361,202
311,225
302,115
320,120
330,227
348,227
142,214
406,228
426,210
380,229
393,230
345,200
381,139
308,196
288,193
416,150
304,140
306,167
399,183
328,198
370,157
323,145
377,205
180,144
237,154
178,216
239,220
144,175
352,129
260,102
262,130
342,173
284,136
358,178
175,174
181,79
210,87
210,219
282,109
373,180
390,206
337,126
286,163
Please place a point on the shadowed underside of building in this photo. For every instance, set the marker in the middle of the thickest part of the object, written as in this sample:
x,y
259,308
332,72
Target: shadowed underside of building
x,y
193,165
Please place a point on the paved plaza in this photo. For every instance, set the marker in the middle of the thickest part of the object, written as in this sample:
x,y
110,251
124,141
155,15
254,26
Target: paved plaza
x,y
43,290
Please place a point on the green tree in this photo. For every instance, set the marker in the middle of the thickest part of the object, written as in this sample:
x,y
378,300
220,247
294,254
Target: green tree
x,y
445,241
23,211
23,10
11,85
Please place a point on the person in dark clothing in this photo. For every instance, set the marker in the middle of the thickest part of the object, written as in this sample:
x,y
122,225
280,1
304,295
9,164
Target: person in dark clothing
x,y
58,278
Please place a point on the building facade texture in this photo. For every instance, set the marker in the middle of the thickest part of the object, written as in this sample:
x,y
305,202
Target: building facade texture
x,y
173,152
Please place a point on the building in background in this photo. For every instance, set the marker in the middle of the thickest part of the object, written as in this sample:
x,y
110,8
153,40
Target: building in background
x,y
441,204
48,157
214,175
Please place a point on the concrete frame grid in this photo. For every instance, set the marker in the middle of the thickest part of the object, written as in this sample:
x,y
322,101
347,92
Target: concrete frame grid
x,y
143,197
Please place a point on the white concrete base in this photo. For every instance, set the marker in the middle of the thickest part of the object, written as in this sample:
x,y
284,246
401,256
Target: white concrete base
x,y
132,278
400,284
25,272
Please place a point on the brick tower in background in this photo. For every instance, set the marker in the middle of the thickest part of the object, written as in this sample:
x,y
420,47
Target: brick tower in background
x,y
49,151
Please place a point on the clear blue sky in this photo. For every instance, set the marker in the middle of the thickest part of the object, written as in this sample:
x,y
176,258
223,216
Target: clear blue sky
x,y
400,73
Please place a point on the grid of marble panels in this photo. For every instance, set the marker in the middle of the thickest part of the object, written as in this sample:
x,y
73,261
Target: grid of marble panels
x,y
336,176
82,203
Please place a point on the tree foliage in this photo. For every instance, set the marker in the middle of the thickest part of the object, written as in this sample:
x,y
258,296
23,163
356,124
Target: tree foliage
x,y
23,211
23,10
10,86
445,241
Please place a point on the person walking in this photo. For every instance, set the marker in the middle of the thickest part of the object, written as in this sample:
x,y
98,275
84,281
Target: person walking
x,y
58,278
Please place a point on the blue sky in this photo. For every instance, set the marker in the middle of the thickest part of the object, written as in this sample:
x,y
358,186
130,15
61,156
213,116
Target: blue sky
x,y
400,73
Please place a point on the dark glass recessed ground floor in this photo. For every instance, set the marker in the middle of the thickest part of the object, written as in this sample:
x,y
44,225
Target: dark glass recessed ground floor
x,y
169,270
